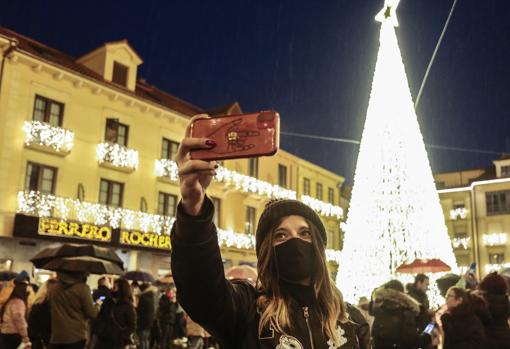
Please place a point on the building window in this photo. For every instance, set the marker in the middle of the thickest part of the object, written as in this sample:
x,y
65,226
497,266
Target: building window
x,y
331,196
319,191
498,202
253,167
250,220
169,149
48,110
217,211
120,74
116,132
167,204
111,193
282,176
40,178
306,186
459,205
496,258
505,171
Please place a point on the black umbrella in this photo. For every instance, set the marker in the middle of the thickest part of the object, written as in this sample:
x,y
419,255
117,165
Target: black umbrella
x,y
84,264
75,250
7,275
140,276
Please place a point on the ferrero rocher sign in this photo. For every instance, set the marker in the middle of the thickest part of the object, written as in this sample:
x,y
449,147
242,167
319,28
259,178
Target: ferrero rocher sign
x,y
86,231
149,240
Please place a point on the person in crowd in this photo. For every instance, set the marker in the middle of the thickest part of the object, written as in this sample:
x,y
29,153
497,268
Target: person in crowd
x,y
295,304
71,308
494,290
102,290
146,314
396,319
116,323
363,305
418,290
195,334
39,317
461,326
13,324
167,318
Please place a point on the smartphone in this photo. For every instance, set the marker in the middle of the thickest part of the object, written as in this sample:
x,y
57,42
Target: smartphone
x,y
472,268
430,327
238,136
102,298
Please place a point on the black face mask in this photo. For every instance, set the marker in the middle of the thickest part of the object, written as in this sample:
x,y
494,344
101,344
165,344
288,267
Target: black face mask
x,y
294,260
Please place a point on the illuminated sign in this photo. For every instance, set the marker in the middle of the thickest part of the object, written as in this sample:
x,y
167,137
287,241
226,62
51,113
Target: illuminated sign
x,y
86,231
149,240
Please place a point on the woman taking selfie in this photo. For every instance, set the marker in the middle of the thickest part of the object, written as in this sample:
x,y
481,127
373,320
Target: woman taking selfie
x,y
293,305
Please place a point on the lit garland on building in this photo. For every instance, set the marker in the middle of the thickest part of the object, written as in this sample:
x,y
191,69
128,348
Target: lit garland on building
x,y
495,239
461,242
46,205
489,268
45,135
168,169
458,213
395,214
117,155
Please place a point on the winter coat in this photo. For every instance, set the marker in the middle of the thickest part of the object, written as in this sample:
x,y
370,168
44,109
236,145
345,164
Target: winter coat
x,y
463,329
227,310
71,308
14,318
115,324
395,321
495,321
39,322
167,311
418,295
146,310
101,291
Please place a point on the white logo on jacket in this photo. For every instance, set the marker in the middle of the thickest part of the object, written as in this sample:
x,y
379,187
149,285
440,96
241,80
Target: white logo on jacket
x,y
288,342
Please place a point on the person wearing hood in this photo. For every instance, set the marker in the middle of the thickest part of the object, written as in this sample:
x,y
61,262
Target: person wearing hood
x,y
294,304
494,290
146,314
396,319
71,308
461,326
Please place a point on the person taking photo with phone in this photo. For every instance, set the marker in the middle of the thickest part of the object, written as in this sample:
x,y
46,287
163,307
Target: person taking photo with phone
x,y
294,303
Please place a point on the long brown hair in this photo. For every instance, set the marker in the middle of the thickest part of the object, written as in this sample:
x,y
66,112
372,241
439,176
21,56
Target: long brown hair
x,y
125,293
274,306
20,292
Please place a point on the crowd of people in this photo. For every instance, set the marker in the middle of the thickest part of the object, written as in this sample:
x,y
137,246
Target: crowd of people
x,y
63,313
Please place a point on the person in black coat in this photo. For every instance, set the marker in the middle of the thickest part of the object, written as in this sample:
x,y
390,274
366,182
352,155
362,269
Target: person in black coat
x,y
102,289
39,317
294,304
116,323
396,319
146,314
167,318
494,289
461,326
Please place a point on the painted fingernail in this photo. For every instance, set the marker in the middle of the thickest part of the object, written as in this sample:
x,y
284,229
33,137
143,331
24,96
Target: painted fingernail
x,y
210,143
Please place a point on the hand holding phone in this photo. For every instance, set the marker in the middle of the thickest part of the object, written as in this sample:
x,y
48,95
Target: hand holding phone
x,y
429,328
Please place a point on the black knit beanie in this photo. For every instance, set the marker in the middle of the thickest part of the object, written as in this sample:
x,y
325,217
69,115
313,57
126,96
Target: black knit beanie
x,y
277,209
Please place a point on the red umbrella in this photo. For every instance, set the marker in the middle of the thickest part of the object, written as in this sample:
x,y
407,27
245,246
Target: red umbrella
x,y
243,272
424,266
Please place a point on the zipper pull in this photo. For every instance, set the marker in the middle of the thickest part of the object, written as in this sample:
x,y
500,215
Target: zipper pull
x,y
305,312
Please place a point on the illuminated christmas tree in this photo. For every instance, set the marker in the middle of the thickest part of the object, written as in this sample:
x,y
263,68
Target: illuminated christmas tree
x,y
395,215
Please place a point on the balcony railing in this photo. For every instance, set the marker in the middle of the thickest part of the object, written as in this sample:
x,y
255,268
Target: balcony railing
x,y
495,239
458,213
461,242
166,169
117,156
44,135
45,205
489,268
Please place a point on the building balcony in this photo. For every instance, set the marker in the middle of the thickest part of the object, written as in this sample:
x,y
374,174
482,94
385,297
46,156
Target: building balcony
x,y
323,208
458,213
43,136
116,156
495,239
166,169
489,268
461,243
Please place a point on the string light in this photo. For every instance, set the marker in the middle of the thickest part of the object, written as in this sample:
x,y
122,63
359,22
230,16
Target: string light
x,y
117,155
46,135
395,215
495,239
46,205
461,242
489,268
457,213
168,169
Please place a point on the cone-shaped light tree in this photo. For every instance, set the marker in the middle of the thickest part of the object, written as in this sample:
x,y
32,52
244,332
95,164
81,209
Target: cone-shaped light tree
x,y
395,215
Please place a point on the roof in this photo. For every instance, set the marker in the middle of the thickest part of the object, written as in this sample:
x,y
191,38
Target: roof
x,y
113,43
143,90
229,109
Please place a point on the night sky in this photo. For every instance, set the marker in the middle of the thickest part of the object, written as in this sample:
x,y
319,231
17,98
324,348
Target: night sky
x,y
313,61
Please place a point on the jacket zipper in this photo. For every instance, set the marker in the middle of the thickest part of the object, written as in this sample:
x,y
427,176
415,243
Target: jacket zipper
x,y
307,315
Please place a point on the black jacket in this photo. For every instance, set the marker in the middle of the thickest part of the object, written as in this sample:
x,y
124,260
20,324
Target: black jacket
x,y
167,311
495,321
115,324
418,295
463,329
101,291
228,310
395,321
39,322
146,310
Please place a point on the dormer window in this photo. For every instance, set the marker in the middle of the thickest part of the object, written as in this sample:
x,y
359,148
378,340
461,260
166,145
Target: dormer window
x,y
120,74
